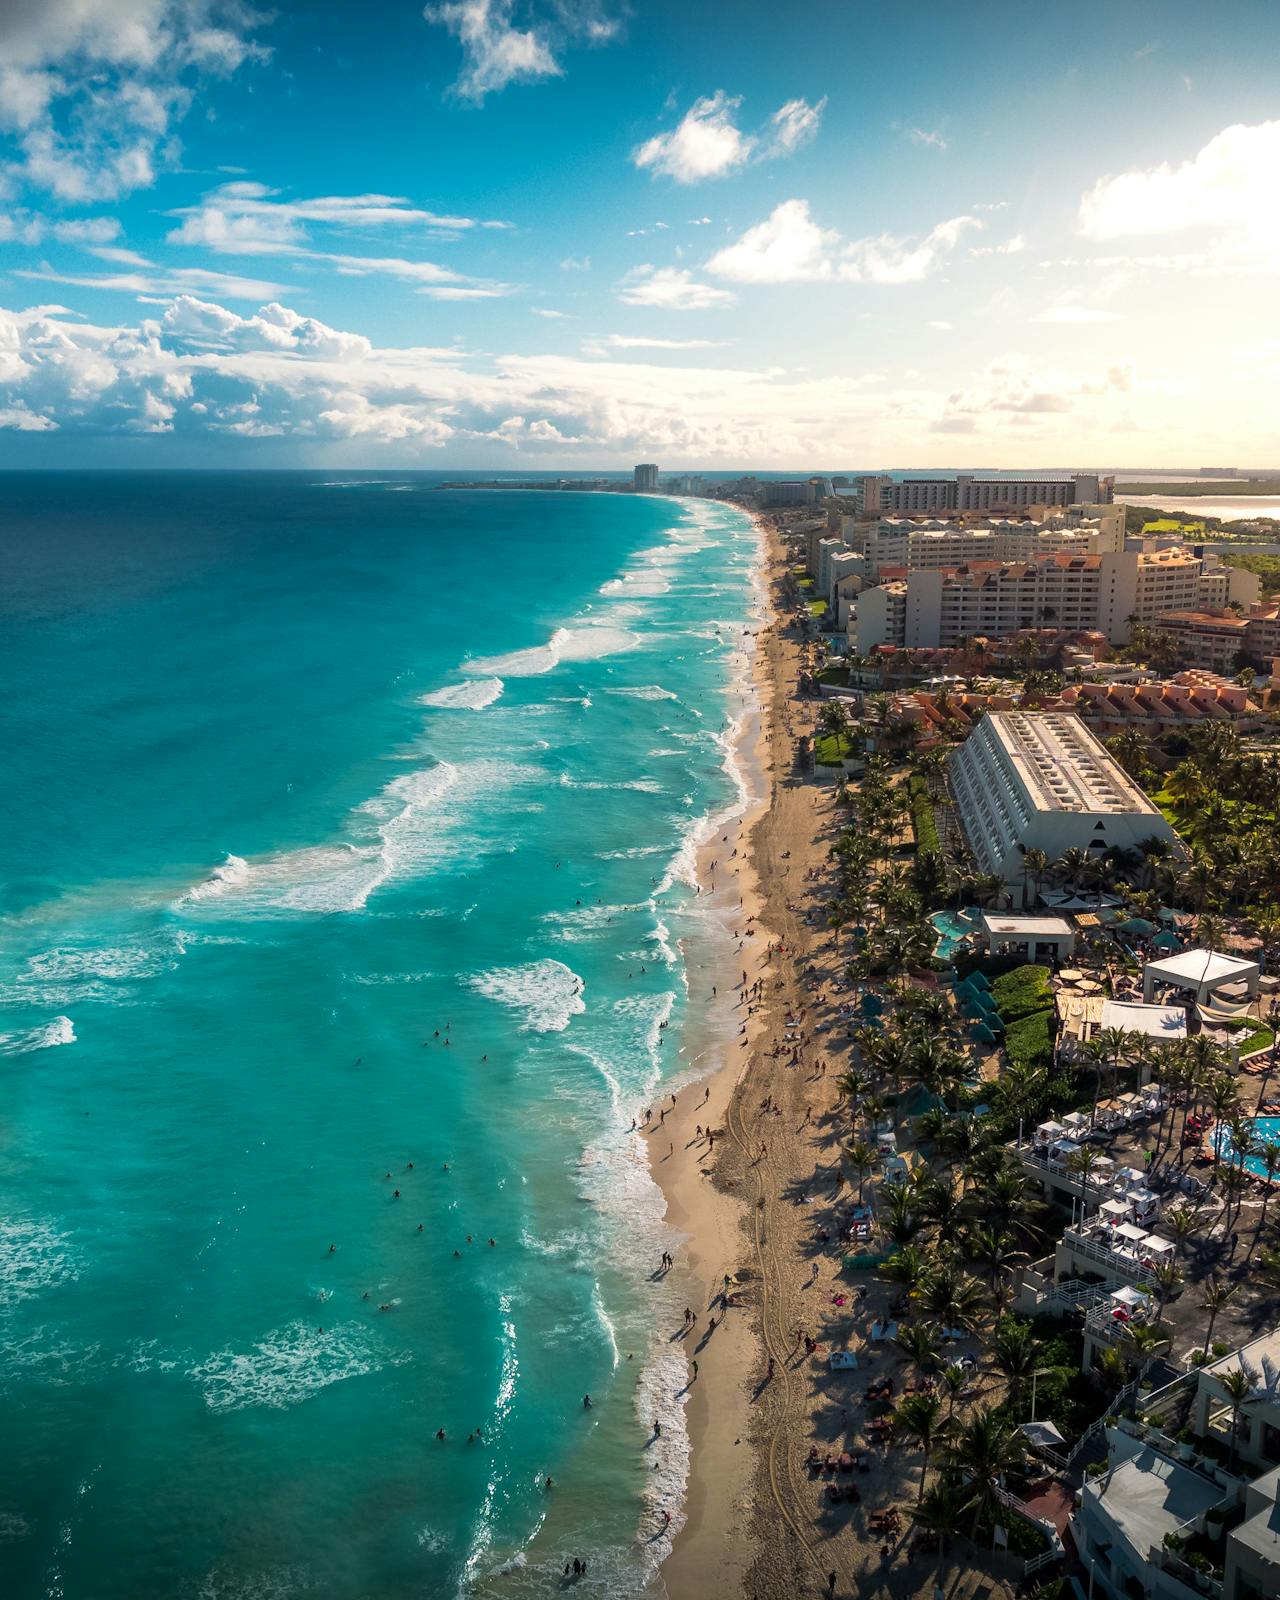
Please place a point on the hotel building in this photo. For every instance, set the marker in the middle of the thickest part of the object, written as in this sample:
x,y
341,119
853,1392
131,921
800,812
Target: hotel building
x,y
1036,780
876,494
645,477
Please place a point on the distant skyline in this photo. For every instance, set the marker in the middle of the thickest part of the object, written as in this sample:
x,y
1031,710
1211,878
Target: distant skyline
x,y
574,235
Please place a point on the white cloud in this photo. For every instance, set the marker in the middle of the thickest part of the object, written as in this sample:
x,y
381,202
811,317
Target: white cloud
x,y
118,256
546,311
91,90
706,143
623,341
1011,247
1011,390
669,289
928,136
789,247
496,53
1076,315
162,281
244,218
21,227
942,327
1229,186
794,124
576,264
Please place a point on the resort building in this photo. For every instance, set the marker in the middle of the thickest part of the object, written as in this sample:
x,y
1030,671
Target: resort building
x,y
1104,592
644,478
1220,639
916,543
788,494
1027,780
879,493
1171,1519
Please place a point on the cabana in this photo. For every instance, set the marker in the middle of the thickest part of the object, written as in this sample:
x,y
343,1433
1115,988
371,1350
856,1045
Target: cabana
x,y
1129,1305
1153,1022
1076,1124
1049,1132
1113,1212
1201,972
1036,938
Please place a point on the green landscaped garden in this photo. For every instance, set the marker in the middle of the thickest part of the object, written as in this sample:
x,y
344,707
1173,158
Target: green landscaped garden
x,y
830,749
923,822
1024,999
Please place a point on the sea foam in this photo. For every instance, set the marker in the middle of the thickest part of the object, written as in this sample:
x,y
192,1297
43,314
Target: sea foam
x,y
60,1031
565,644
473,695
547,993
288,1366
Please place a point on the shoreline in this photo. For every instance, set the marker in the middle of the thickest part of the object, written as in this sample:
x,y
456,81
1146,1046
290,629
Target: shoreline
x,y
710,1553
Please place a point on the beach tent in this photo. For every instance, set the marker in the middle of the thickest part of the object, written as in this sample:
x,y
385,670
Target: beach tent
x,y
982,1034
979,979
1201,972
1167,941
1138,925
1042,1435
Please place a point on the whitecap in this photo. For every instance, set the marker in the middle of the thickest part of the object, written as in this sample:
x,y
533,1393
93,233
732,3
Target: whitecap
x,y
637,785
645,691
233,872
565,644
288,1366
547,992
34,1256
473,695
60,1031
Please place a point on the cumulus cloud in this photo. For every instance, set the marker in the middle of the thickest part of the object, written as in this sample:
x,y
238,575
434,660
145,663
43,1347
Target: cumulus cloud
x,y
1228,186
670,289
707,142
496,53
92,90
790,247
204,372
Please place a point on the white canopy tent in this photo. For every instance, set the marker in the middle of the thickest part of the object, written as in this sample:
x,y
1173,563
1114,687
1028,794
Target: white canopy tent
x,y
1200,971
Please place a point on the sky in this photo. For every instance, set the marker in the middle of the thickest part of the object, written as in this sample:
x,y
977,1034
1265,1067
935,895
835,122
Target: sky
x,y
574,234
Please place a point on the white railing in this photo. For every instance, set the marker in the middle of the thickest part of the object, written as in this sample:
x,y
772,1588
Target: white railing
x,y
1121,1264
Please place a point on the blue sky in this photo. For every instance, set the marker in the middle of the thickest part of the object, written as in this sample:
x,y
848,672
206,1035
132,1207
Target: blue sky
x,y
573,234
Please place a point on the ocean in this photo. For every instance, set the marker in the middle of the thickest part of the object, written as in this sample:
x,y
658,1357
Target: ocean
x,y
346,919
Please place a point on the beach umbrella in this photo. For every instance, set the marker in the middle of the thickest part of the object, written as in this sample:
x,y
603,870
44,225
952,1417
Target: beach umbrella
x,y
1138,925
1167,941
979,979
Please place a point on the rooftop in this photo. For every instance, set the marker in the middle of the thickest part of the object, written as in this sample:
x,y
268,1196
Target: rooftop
x,y
1157,1022
1062,765
1028,927
1198,967
1149,1496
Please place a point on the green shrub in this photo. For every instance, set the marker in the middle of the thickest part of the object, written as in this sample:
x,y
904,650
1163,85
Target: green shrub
x,y
1030,1040
1022,992
923,822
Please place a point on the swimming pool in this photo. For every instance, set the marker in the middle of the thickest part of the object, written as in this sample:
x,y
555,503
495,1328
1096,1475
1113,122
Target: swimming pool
x,y
1266,1130
952,927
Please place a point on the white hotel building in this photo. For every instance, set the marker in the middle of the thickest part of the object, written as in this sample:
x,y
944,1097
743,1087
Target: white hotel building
x,y
1042,781
938,606
879,493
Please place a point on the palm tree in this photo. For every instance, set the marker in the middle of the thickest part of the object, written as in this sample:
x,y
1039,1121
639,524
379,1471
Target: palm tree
x,y
920,1342
1216,1295
983,1449
1082,1163
1269,1155
957,1301
861,1157
1238,1385
1184,1220
942,1511
1169,1279
910,1267
920,1419
1143,1340
1014,1350
897,1216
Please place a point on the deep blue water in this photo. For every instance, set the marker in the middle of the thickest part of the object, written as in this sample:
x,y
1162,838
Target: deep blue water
x,y
297,772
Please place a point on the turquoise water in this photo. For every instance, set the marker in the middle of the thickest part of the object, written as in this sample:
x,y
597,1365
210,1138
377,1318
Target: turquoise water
x,y
1265,1130
301,771
953,927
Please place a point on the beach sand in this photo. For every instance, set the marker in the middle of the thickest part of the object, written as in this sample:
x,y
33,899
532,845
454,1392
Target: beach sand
x,y
756,1523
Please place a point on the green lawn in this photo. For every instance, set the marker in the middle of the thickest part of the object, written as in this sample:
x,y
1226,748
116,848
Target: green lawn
x,y
830,749
1022,992
1259,1039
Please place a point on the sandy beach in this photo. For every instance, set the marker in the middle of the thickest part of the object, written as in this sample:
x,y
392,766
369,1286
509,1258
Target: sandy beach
x,y
756,1208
